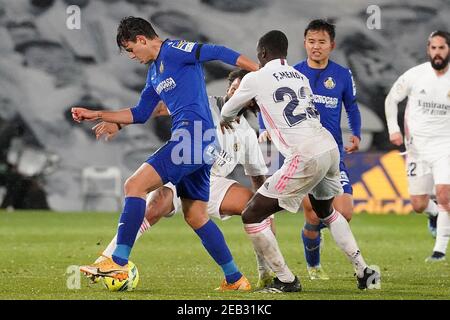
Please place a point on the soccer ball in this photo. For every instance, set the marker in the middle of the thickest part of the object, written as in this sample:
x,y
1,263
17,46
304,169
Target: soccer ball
x,y
123,285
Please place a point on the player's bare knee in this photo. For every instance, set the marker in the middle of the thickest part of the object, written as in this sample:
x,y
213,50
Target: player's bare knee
x,y
312,219
152,219
250,214
443,198
347,213
131,188
154,212
196,221
419,205
310,234
190,220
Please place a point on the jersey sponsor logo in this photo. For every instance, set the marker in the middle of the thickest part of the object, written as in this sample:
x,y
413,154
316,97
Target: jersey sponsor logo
x,y
433,108
328,102
184,45
166,85
344,179
222,157
329,83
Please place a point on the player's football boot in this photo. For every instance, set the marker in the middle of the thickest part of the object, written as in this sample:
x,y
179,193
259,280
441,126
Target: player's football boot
x,y
277,286
96,279
436,257
264,280
371,279
106,268
432,225
242,285
317,273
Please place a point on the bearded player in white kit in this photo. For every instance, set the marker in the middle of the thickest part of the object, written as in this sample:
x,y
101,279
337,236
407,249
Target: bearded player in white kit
x,y
427,134
311,166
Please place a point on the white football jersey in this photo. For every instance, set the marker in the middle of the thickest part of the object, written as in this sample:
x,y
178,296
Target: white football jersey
x,y
427,115
285,99
238,147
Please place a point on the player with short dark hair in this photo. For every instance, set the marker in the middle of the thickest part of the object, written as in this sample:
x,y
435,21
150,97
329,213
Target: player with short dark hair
x,y
333,87
175,76
311,166
227,196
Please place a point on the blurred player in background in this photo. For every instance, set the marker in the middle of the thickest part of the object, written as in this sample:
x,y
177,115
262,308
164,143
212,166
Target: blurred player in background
x,y
176,77
227,197
427,134
311,166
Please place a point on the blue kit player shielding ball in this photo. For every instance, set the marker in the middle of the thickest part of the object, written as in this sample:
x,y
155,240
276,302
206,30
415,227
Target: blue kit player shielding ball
x,y
175,76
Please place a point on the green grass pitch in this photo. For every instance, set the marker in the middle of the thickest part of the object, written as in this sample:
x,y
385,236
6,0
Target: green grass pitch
x,y
37,248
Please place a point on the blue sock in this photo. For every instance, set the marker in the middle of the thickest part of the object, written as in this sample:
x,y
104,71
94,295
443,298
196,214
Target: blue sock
x,y
214,242
130,220
312,250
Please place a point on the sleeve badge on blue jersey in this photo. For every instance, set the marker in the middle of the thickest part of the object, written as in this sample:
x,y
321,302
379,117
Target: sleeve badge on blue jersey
x,y
184,45
329,83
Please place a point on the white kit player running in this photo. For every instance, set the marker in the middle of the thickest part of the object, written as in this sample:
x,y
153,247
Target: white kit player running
x,y
427,134
227,196
311,166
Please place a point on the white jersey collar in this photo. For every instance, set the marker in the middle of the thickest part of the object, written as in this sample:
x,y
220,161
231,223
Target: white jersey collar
x,y
277,62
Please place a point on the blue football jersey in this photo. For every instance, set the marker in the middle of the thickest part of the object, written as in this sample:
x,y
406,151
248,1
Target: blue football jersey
x,y
333,87
176,77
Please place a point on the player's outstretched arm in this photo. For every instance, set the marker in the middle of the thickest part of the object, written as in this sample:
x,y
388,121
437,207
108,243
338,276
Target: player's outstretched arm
x,y
208,52
119,116
246,63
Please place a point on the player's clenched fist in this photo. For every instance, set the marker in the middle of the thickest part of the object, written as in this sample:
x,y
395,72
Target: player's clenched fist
x,y
396,138
81,114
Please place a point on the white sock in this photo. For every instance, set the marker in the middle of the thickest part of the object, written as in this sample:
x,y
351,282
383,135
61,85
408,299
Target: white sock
x,y
432,209
442,232
263,266
113,244
342,235
265,245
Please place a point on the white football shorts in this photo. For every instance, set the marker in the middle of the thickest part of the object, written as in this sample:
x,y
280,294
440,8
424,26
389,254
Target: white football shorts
x,y
423,174
297,177
218,188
